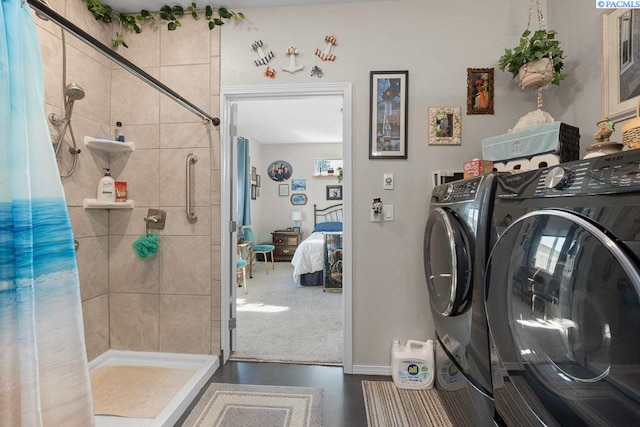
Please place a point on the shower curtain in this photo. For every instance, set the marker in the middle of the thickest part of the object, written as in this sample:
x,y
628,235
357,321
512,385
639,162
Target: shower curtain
x,y
244,183
44,378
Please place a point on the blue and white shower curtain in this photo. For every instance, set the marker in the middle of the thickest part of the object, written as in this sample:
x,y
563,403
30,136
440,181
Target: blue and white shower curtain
x,y
44,379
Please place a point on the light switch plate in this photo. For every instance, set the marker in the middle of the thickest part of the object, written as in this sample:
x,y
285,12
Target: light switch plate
x,y
388,212
387,181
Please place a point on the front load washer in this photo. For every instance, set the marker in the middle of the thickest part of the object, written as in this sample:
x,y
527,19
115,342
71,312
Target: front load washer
x,y
455,253
563,294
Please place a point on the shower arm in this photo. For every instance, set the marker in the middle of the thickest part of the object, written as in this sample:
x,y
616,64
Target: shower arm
x,y
119,59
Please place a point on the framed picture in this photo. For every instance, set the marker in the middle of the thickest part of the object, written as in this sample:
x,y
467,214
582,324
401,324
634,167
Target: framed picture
x,y
621,63
479,90
389,102
257,180
253,191
296,229
334,192
253,174
280,170
298,199
283,190
299,184
445,126
257,191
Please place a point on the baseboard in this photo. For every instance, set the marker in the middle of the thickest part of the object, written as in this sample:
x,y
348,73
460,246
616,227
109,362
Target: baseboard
x,y
371,370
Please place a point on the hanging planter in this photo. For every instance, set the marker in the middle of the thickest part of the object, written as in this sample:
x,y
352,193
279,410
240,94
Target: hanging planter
x,y
536,74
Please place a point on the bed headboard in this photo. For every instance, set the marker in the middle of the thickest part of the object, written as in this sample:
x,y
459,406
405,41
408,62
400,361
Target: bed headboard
x,y
332,213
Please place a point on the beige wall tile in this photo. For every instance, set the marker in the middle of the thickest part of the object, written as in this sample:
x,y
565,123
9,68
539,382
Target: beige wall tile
x,y
95,316
215,262
185,325
93,268
215,75
215,221
131,222
184,135
188,44
185,266
133,322
173,180
89,222
144,48
214,143
95,79
215,299
50,48
128,273
192,83
77,13
215,106
140,170
215,336
134,102
215,41
143,136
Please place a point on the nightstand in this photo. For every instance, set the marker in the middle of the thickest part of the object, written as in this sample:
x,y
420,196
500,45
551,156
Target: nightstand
x,y
286,243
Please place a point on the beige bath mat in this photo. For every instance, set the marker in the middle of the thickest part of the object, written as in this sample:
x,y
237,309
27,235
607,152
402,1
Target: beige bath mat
x,y
135,391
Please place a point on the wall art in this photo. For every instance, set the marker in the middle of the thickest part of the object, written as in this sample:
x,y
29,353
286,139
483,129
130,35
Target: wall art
x,y
280,170
388,113
445,126
480,90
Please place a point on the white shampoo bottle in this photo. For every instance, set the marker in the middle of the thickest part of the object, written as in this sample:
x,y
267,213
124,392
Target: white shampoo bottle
x,y
106,188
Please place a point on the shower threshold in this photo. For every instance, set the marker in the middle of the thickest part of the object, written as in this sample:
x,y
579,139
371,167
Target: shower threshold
x,y
203,365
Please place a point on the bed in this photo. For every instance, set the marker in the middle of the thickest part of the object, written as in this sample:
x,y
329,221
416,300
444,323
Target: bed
x,y
317,260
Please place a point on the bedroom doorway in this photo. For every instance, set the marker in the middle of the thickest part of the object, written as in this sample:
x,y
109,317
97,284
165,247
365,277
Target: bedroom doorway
x,y
231,97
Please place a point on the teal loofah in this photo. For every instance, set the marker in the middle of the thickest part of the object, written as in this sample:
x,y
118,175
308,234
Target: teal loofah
x,y
146,246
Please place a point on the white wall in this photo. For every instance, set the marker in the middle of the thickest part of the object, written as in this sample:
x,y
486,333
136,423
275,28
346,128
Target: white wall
x,y
436,42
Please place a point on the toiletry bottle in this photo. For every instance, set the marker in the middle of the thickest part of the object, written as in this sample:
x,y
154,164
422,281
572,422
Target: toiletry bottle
x,y
106,188
119,134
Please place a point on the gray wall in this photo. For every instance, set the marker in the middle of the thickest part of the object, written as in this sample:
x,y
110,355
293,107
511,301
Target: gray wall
x,y
436,42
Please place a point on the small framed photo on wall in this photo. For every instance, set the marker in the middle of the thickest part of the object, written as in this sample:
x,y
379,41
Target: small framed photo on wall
x,y
334,192
479,90
283,190
445,126
253,191
388,114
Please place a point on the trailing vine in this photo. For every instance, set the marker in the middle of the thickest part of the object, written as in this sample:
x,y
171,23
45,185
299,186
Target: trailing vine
x,y
169,14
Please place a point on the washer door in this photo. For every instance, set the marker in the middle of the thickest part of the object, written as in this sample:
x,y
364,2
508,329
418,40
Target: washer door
x,y
447,263
563,305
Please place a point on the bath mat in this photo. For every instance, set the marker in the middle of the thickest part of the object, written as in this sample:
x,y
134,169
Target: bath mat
x,y
135,391
242,405
388,406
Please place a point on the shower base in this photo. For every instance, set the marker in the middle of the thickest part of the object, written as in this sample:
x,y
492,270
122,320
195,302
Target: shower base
x,y
204,366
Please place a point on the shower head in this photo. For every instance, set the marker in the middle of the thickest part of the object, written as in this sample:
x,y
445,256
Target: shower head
x,y
74,92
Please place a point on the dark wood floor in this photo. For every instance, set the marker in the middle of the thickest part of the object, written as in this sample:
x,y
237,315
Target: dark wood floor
x,y
343,401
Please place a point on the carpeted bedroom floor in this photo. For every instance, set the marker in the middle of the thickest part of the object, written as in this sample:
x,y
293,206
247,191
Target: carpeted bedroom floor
x,y
279,321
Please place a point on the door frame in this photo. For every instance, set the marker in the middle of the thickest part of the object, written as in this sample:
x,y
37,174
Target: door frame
x,y
231,94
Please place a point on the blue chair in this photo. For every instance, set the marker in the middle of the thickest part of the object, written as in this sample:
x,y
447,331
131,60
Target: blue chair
x,y
241,265
263,249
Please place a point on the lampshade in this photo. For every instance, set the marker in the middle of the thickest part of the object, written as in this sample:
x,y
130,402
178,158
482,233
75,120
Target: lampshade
x,y
296,216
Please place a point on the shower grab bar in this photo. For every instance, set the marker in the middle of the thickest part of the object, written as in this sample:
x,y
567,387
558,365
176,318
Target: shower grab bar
x,y
191,216
119,59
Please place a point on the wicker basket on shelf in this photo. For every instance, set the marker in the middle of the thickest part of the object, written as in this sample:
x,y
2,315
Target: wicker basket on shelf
x,y
631,131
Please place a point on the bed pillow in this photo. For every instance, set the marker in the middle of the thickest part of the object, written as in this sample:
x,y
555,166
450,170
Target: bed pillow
x,y
328,226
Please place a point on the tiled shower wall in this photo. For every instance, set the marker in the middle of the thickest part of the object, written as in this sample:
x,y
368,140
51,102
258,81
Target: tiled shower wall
x,y
170,303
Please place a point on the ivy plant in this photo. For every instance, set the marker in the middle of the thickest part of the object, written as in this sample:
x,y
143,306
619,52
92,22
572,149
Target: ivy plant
x,y
169,14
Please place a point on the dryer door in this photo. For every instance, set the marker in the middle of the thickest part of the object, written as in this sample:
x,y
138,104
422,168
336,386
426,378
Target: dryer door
x,y
563,303
447,263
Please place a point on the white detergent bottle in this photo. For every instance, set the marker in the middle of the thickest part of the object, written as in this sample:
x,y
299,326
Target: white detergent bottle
x,y
106,188
412,365
448,375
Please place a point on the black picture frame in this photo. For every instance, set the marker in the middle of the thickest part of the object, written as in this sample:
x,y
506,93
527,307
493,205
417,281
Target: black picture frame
x,y
334,192
253,191
257,180
388,114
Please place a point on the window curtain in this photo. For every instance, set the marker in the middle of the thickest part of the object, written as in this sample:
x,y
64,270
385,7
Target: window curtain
x,y
244,183
44,376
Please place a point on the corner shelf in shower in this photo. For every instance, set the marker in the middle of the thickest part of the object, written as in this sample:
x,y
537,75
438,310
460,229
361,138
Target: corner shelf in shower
x,y
95,204
108,145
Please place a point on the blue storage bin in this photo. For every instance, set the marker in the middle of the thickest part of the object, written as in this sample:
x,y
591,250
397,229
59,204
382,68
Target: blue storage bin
x,y
556,138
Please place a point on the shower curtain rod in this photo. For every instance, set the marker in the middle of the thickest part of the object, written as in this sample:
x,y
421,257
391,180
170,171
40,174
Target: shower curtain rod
x,y
119,59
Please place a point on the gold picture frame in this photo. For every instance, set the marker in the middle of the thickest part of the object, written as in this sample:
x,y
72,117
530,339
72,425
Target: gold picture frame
x,y
445,126
480,90
618,64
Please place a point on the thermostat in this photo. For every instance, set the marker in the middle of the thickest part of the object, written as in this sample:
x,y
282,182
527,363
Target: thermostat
x,y
387,183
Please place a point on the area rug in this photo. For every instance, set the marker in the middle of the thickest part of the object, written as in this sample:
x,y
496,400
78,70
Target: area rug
x,y
279,321
242,405
135,391
388,406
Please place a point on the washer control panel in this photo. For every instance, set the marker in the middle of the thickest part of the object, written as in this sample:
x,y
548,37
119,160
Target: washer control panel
x,y
614,173
457,191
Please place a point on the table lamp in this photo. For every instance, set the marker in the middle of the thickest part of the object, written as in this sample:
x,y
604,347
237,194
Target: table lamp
x,y
296,217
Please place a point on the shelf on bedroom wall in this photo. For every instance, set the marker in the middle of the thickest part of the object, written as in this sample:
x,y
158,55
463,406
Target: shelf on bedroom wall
x,y
108,145
95,204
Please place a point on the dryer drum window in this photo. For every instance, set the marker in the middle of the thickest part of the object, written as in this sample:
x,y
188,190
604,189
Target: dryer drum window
x,y
447,263
563,304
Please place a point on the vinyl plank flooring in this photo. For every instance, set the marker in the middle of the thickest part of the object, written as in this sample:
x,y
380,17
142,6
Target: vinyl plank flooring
x,y
343,401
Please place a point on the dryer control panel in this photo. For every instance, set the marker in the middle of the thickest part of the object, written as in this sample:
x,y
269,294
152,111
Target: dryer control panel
x,y
458,191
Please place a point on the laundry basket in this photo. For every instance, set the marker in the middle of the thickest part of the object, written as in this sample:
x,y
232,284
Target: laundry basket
x,y
631,131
